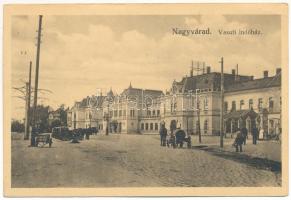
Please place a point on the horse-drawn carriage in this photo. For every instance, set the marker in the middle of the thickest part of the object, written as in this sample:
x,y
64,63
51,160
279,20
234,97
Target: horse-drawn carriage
x,y
177,138
43,139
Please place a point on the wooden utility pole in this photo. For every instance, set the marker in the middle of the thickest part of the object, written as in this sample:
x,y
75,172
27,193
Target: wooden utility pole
x,y
222,104
27,107
37,69
36,78
26,127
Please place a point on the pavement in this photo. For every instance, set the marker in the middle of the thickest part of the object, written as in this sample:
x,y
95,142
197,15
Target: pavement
x,y
139,161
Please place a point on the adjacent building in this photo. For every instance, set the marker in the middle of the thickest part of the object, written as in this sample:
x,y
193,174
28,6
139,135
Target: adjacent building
x,y
194,104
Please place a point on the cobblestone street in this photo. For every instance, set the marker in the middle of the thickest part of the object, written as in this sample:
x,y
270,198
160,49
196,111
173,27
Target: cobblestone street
x,y
139,160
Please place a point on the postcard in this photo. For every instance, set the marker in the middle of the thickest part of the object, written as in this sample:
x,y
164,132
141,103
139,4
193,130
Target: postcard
x,y
146,100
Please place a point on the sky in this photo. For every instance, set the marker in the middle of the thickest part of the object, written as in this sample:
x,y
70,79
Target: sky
x,y
82,54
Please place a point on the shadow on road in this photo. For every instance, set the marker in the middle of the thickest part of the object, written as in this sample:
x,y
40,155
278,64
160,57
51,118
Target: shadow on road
x,y
260,163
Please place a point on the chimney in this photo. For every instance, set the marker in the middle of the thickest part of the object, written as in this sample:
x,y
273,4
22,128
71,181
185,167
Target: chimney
x,y
233,72
208,69
278,71
265,74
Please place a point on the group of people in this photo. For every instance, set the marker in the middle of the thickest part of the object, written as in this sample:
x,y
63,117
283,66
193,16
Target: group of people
x,y
175,138
242,136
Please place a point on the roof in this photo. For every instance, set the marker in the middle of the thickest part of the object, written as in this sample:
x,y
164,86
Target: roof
x,y
240,114
139,92
95,101
274,81
206,81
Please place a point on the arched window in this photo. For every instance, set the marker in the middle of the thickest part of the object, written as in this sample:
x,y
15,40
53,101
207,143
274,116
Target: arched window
x,y
260,104
142,126
146,126
225,106
271,104
206,103
205,126
251,103
156,126
233,106
151,126
241,104
158,112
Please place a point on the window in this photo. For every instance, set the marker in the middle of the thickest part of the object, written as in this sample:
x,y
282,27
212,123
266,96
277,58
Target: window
x,y
131,113
260,104
148,113
124,112
115,113
206,103
142,126
156,126
146,126
205,126
233,106
225,106
151,126
175,106
158,112
241,104
120,113
198,104
251,103
271,104
154,112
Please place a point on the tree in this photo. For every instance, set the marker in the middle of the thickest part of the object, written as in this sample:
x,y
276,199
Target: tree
x,y
42,116
56,123
63,115
17,126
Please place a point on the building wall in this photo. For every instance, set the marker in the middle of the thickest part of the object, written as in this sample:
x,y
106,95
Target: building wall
x,y
181,107
269,118
264,94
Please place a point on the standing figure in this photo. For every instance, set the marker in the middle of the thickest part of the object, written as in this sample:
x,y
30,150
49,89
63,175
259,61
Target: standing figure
x,y
244,132
255,133
163,135
238,141
261,134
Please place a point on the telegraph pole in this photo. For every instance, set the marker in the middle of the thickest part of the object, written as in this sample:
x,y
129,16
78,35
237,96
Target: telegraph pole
x,y
26,128
36,79
222,104
27,107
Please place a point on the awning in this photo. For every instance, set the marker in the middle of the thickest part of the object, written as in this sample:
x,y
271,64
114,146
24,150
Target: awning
x,y
240,114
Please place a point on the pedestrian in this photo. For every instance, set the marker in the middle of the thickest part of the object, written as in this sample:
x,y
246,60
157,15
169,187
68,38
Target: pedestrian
x,y
255,133
163,134
87,135
244,132
261,134
239,139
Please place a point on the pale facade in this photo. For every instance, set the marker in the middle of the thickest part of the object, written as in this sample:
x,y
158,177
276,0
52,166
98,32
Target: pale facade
x,y
194,104
133,111
263,96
